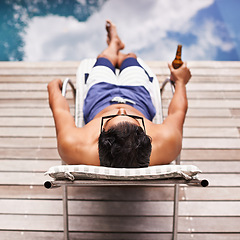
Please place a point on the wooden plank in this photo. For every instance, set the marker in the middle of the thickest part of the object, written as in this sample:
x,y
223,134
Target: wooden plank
x,y
25,112
23,95
27,165
27,103
38,142
211,103
27,131
211,224
123,193
223,87
32,192
44,65
117,208
23,178
205,95
214,96
211,122
216,166
209,208
211,132
231,95
218,72
37,78
211,194
210,154
229,103
37,103
27,121
27,153
203,79
214,64
27,235
86,208
121,224
23,86
222,180
28,95
42,71
212,143
28,222
235,112
206,72
205,112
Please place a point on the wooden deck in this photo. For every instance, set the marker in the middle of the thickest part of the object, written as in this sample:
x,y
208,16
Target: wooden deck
x,y
28,149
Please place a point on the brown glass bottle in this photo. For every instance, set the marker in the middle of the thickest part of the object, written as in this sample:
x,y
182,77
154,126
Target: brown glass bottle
x,y
177,62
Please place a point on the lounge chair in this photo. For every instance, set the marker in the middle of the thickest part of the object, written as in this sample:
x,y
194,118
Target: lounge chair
x,y
85,175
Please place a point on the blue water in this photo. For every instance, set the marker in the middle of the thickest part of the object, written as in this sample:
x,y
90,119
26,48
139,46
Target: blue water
x,y
70,30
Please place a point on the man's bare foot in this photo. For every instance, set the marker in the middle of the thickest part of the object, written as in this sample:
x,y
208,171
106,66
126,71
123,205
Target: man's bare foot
x,y
112,35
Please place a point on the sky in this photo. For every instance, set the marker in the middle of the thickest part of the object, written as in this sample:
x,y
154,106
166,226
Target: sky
x,y
207,29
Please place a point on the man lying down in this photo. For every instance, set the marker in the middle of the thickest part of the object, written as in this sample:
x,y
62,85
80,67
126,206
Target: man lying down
x,y
118,112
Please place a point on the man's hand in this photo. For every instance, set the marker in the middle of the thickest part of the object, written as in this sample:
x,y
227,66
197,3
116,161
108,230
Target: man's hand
x,y
56,99
181,74
55,84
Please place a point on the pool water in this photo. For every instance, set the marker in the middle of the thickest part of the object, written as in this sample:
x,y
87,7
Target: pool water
x,y
69,30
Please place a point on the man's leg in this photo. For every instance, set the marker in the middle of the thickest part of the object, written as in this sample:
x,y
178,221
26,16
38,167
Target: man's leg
x,y
114,44
122,57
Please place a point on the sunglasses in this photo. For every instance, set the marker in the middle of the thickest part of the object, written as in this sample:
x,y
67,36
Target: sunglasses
x,y
106,119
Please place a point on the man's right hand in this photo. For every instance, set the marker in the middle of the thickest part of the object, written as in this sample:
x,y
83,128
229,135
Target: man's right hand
x,y
55,84
181,74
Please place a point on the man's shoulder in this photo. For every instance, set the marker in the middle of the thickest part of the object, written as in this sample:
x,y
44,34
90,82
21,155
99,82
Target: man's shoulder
x,y
78,147
166,144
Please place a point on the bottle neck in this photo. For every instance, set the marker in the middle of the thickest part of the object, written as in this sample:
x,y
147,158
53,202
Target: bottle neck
x,y
179,52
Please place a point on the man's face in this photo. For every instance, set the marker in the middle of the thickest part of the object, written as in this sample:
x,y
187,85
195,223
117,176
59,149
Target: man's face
x,y
118,119
121,116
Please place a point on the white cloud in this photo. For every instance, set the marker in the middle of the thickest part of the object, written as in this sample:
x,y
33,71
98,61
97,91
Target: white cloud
x,y
208,41
143,26
57,38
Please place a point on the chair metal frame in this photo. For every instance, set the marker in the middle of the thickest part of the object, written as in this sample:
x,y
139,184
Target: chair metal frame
x,y
97,183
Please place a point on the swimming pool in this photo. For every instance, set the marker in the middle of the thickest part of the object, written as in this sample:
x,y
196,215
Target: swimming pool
x,y
72,30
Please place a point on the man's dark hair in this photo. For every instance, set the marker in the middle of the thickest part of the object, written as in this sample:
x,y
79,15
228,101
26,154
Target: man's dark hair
x,y
125,145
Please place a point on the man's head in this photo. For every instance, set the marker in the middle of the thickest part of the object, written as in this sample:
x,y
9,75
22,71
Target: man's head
x,y
123,142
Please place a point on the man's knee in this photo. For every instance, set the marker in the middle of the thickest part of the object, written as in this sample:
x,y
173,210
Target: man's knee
x,y
131,55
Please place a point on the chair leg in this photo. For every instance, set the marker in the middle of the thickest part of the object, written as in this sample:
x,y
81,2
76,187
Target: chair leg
x,y
175,212
65,213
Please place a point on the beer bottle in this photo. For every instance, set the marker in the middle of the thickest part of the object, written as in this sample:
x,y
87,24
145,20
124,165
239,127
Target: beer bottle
x,y
177,62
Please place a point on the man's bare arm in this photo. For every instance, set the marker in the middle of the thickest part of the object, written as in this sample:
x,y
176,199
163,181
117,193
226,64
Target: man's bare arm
x,y
67,133
60,108
74,145
170,143
179,104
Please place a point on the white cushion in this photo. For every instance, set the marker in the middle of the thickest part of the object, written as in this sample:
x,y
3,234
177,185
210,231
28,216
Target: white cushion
x,y
74,172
